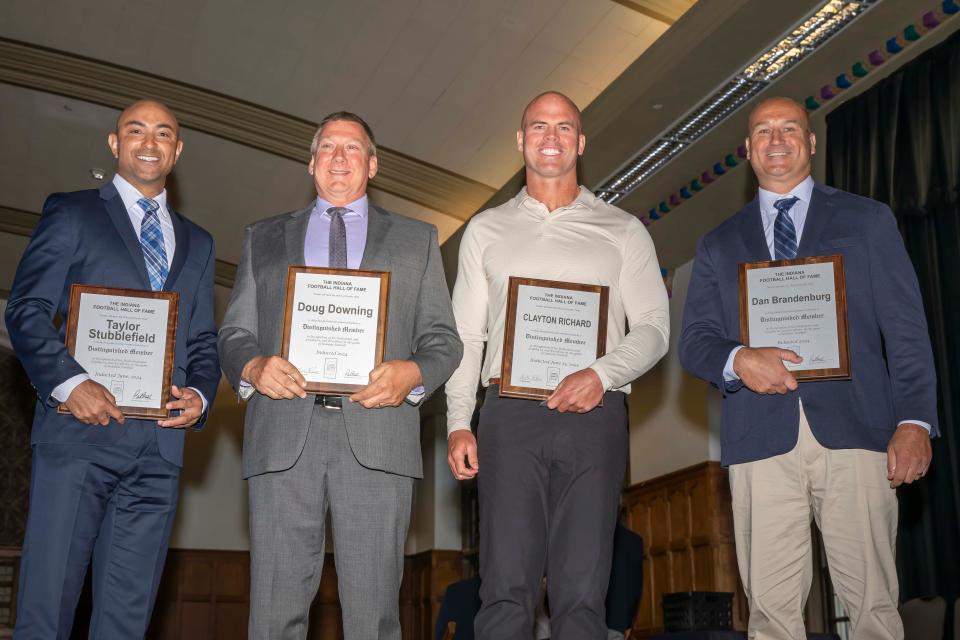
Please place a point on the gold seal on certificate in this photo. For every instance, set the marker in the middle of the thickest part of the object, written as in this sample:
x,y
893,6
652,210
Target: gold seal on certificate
x,y
799,305
334,326
552,329
124,339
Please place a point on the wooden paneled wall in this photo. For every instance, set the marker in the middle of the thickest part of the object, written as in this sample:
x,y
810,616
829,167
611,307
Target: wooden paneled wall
x,y
204,595
684,518
687,528
9,569
425,579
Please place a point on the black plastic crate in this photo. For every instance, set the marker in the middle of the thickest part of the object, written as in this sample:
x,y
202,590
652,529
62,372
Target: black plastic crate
x,y
697,611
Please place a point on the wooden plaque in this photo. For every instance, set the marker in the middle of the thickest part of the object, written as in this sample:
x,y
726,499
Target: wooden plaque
x,y
335,325
790,296
558,305
114,348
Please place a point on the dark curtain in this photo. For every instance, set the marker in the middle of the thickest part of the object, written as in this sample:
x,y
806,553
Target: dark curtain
x,y
899,143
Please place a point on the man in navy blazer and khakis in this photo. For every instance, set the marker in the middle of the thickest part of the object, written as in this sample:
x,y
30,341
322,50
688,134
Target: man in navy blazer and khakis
x,y
838,448
100,484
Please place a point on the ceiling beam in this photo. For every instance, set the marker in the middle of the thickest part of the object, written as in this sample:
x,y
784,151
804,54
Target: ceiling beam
x,y
229,118
668,11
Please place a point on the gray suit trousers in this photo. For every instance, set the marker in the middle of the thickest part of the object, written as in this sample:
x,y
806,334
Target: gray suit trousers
x,y
369,514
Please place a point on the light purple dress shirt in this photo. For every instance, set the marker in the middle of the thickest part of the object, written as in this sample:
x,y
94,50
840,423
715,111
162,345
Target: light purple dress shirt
x,y
316,245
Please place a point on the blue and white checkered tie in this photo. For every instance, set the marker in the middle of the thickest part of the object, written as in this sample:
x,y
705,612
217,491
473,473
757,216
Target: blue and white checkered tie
x,y
784,233
151,241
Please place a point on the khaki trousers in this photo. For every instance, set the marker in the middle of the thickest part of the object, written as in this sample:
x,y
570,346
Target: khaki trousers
x,y
847,492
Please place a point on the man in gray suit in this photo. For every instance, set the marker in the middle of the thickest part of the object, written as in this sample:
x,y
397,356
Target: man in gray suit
x,y
356,457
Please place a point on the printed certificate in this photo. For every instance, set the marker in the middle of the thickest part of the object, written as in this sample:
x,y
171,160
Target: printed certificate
x,y
124,339
334,326
798,305
552,329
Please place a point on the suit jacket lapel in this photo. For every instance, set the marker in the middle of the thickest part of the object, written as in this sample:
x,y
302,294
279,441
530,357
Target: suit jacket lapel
x,y
121,221
753,238
294,235
376,252
819,215
180,252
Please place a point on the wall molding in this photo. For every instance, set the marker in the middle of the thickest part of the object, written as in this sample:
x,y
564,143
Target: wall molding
x,y
74,76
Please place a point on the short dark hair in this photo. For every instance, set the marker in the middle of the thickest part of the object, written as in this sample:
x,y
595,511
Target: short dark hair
x,y
349,117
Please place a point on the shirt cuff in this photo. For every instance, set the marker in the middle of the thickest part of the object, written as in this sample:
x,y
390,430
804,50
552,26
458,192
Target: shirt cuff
x,y
202,399
246,390
64,389
604,380
415,397
729,375
921,423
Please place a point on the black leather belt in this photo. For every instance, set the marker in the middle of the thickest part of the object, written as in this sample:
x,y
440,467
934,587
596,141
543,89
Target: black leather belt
x,y
329,402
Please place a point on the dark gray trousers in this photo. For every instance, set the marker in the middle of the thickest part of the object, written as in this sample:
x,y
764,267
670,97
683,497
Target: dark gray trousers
x,y
369,512
549,490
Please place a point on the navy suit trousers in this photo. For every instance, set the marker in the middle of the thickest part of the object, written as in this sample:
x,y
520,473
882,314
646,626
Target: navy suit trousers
x,y
118,500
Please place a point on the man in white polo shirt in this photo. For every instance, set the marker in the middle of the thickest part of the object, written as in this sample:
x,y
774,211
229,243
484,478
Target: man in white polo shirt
x,y
551,476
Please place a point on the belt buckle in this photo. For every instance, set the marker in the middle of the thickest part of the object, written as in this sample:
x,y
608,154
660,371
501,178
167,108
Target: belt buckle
x,y
329,402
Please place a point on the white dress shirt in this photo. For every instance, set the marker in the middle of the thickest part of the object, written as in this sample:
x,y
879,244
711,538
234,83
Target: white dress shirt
x,y
587,241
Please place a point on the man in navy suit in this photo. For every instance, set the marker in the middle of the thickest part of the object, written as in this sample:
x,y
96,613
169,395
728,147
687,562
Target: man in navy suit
x,y
836,449
101,485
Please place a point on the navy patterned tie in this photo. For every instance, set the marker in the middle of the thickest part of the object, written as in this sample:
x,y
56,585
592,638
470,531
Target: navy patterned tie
x,y
338,238
151,242
784,233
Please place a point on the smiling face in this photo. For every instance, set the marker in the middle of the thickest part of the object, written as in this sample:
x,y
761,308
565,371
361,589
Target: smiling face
x,y
342,163
146,145
780,144
550,137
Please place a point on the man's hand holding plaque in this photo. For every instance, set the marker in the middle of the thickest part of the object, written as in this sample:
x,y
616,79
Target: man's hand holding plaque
x,y
275,378
91,403
578,392
762,370
390,384
189,405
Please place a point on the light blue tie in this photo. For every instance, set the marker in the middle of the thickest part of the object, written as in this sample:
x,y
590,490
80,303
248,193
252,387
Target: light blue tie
x,y
784,233
151,241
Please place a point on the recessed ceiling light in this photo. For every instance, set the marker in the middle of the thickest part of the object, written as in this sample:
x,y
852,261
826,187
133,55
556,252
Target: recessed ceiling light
x,y
656,107
97,173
